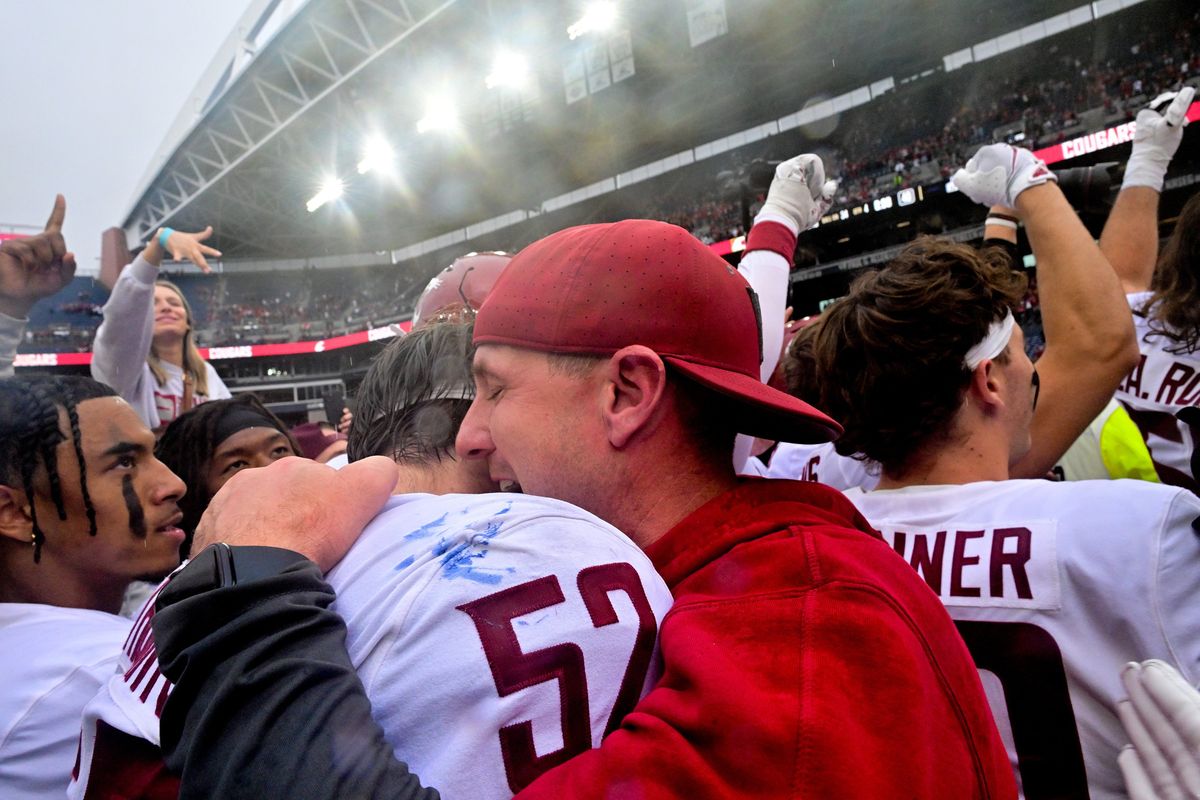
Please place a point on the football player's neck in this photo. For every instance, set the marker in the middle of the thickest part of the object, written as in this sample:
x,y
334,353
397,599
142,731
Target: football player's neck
x,y
53,583
980,454
444,476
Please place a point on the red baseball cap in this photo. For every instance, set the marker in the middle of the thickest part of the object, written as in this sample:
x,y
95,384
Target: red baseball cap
x,y
593,289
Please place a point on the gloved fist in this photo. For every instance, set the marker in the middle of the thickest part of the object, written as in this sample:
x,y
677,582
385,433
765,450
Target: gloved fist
x,y
1000,172
799,191
1159,132
1162,719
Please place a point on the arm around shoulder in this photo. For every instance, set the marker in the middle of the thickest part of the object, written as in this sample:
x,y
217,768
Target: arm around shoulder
x,y
266,703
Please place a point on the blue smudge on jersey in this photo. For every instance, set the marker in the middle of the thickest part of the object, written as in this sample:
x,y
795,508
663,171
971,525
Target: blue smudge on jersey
x,y
462,560
404,564
428,529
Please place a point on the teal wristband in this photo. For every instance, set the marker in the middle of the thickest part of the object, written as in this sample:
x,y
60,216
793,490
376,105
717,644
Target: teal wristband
x,y
162,237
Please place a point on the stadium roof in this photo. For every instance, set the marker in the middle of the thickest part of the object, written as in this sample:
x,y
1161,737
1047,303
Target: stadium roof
x,y
300,88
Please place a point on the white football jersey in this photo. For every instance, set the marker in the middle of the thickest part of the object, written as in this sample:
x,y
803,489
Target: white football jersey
x,y
129,700
55,659
1054,587
497,635
1162,394
823,464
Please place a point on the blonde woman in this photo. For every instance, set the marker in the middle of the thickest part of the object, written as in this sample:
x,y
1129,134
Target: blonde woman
x,y
146,348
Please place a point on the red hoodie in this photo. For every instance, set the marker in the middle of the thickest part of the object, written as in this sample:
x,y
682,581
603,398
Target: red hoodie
x,y
802,659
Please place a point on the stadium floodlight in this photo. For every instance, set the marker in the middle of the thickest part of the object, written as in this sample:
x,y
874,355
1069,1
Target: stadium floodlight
x,y
509,69
599,16
331,190
377,155
440,115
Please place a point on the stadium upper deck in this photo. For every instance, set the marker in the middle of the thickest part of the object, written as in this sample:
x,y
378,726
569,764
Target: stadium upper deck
x,y
338,74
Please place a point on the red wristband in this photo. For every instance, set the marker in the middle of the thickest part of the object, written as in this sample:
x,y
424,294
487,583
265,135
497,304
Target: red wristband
x,y
773,236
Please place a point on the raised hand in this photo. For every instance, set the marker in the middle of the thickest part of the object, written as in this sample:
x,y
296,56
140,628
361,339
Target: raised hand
x,y
1000,172
188,247
36,266
1159,132
799,191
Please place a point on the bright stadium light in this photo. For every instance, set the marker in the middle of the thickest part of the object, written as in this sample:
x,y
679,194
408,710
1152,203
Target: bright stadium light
x,y
509,69
599,16
377,155
439,116
331,190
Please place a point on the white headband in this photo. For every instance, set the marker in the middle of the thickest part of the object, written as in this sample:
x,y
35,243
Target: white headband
x,y
993,344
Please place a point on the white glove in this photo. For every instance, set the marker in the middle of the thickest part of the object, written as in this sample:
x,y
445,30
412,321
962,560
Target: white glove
x,y
799,193
1159,132
1162,719
1000,172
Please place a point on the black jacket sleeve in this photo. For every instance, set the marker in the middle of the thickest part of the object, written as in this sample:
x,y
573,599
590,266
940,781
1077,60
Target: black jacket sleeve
x,y
266,703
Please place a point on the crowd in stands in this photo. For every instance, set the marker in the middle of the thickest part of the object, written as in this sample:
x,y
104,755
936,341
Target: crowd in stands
x,y
315,304
933,125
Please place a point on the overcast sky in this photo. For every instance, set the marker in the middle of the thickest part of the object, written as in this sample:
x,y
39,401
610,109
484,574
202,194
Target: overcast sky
x,y
88,89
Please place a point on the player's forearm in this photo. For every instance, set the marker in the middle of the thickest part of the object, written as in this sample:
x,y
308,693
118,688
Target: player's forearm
x,y
1000,227
266,703
1130,237
765,266
1084,311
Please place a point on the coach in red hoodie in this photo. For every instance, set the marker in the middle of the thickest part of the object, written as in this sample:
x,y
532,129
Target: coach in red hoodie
x,y
615,364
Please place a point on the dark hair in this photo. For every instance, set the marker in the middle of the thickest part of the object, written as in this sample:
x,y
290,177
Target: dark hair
x,y
889,356
415,395
187,446
800,365
1174,306
30,434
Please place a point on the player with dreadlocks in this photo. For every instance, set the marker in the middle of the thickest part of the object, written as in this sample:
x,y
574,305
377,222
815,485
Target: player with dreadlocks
x,y
213,442
85,508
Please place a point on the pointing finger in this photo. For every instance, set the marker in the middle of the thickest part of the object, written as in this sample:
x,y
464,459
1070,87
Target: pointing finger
x,y
55,223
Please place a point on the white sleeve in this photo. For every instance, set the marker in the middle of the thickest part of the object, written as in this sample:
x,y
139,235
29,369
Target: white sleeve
x,y
1177,564
124,337
11,331
217,390
767,274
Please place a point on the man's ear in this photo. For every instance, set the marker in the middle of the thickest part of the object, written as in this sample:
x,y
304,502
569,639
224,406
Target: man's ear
x,y
15,519
986,385
635,385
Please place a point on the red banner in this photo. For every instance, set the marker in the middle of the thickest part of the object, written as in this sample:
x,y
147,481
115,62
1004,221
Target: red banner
x,y
236,351
1100,140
